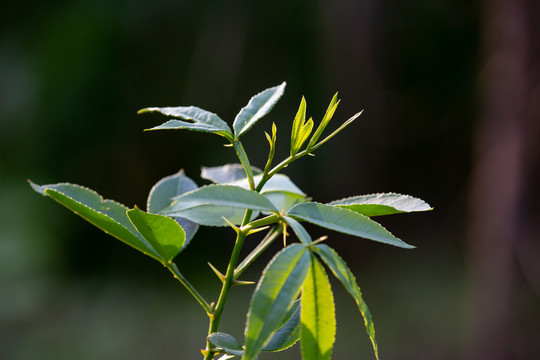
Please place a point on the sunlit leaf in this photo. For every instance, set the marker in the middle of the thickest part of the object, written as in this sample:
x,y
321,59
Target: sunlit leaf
x,y
278,287
341,271
345,221
288,333
318,315
299,230
226,173
162,194
196,119
382,204
164,234
258,106
107,215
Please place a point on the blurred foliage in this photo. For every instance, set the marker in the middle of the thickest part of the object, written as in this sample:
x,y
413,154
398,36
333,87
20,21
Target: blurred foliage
x,y
73,75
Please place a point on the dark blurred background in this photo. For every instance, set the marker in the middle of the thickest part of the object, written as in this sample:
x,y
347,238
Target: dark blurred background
x,y
451,92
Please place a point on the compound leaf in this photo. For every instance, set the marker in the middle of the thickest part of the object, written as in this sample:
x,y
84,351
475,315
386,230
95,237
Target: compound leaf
x,y
341,271
162,194
345,221
318,315
258,106
278,287
164,234
107,215
382,204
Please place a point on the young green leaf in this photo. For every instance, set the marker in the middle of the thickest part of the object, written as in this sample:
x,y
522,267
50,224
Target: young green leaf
x,y
288,334
318,315
345,221
197,120
298,124
107,215
164,234
343,273
226,343
382,204
258,106
324,122
337,131
162,194
278,287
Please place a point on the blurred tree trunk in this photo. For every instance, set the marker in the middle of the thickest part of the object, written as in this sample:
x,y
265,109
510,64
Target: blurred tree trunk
x,y
497,194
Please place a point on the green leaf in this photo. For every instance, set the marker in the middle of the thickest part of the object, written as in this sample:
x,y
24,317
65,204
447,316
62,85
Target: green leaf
x,y
303,134
212,215
345,221
226,173
337,131
162,194
221,195
343,273
299,230
288,333
197,120
326,119
382,204
279,285
107,215
280,190
318,315
163,233
226,343
258,106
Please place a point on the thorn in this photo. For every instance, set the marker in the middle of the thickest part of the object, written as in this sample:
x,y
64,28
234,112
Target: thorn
x,y
228,145
235,228
216,271
319,240
240,282
253,231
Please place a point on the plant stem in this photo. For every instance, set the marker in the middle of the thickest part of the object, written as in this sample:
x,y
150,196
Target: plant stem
x,y
178,276
241,153
263,245
215,316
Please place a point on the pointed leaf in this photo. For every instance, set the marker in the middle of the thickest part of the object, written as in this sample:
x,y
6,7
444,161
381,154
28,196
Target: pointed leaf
x,y
318,315
382,204
162,232
226,173
299,230
298,122
278,287
212,215
226,343
221,195
343,273
345,221
258,106
197,120
107,215
162,194
303,134
288,333
325,120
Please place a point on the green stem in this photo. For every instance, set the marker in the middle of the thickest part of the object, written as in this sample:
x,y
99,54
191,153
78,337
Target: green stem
x,y
215,316
263,245
178,276
241,153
